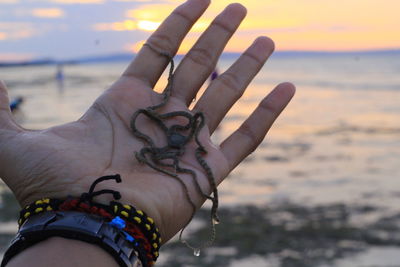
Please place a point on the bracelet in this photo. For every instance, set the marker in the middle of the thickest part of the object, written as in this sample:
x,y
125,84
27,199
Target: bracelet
x,y
74,225
138,224
133,224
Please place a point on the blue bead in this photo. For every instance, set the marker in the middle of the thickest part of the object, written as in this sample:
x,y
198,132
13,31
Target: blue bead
x,y
118,222
129,238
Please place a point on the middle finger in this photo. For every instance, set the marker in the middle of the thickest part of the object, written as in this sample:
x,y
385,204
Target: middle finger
x,y
200,61
224,91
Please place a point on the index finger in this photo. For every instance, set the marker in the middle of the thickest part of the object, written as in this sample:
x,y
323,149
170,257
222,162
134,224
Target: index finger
x,y
148,64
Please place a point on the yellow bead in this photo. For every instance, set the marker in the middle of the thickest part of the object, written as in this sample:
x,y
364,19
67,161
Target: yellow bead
x,y
38,210
115,209
27,207
159,240
137,219
26,215
148,227
139,212
155,245
124,213
46,200
127,207
19,221
154,236
38,202
150,220
49,208
156,254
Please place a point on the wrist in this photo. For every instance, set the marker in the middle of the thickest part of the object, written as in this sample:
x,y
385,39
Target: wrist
x,y
63,252
122,230
75,225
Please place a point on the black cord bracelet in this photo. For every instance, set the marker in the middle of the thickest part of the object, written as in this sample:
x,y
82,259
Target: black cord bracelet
x,y
74,225
128,234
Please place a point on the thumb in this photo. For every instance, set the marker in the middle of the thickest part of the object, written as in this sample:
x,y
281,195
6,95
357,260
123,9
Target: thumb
x,y
4,100
6,120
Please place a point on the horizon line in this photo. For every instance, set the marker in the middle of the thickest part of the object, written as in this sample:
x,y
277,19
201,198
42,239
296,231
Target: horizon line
x,y
80,59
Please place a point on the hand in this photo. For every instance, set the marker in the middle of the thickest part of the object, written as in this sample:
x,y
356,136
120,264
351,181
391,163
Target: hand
x,y
65,160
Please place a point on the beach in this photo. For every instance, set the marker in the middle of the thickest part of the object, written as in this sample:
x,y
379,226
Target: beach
x,y
323,189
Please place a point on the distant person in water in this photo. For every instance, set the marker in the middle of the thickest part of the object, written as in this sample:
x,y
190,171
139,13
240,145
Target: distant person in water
x,y
60,77
16,103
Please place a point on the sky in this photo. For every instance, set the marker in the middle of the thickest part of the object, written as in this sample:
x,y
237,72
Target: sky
x,y
67,29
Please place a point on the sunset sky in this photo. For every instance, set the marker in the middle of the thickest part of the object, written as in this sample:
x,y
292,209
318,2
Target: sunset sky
x,y
65,29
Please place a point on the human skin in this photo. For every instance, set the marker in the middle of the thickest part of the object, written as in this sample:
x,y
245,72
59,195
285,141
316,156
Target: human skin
x,y
66,159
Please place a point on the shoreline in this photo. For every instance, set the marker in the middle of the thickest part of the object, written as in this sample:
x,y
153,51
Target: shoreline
x,y
286,235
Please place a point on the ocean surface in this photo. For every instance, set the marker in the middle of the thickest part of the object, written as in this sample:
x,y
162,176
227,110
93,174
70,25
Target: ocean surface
x,y
337,143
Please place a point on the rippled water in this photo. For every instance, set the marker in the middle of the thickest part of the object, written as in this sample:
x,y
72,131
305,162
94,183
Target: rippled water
x,y
337,142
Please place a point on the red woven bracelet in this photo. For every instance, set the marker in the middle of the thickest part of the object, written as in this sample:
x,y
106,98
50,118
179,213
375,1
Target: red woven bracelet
x,y
137,223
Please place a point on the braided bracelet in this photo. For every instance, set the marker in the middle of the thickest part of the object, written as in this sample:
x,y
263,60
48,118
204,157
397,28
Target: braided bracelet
x,y
134,222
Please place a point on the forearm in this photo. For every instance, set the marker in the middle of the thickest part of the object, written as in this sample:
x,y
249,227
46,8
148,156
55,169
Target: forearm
x,y
63,252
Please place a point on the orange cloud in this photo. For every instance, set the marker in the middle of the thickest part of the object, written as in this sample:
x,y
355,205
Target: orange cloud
x,y
47,12
256,21
155,12
8,1
147,25
16,30
22,34
149,17
15,56
127,25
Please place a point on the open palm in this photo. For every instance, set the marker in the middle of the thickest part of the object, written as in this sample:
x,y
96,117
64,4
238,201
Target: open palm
x,y
64,160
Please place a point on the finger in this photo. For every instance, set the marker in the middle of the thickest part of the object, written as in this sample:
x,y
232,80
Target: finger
x,y
149,64
4,100
5,112
251,133
200,61
224,91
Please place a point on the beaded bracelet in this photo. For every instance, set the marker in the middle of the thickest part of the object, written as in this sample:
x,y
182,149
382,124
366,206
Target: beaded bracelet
x,y
136,223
